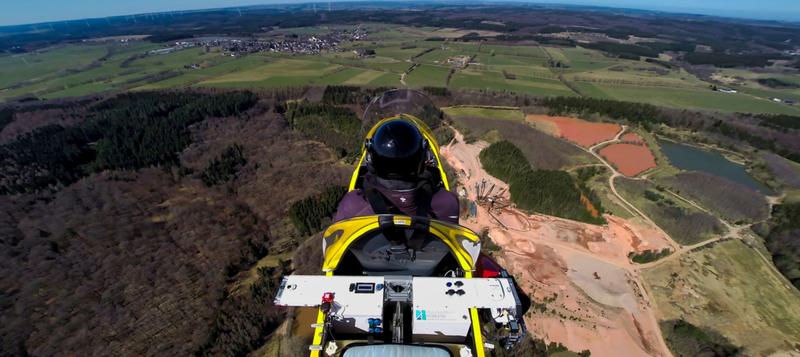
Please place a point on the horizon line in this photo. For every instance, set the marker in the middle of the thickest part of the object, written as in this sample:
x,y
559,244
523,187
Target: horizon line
x,y
455,2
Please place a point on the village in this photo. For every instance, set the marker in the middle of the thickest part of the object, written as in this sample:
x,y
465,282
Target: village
x,y
286,43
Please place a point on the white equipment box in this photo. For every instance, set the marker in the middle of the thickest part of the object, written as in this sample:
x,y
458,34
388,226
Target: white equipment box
x,y
441,305
356,298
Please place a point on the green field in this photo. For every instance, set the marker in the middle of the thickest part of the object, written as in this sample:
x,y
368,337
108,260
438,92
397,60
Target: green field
x,y
49,63
428,75
728,288
699,99
119,71
475,79
525,51
581,59
73,70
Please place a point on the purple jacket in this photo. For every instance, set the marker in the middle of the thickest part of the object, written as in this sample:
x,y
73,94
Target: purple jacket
x,y
444,205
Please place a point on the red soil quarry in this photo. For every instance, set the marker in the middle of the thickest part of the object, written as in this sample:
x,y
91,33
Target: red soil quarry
x,y
576,130
629,159
598,300
632,138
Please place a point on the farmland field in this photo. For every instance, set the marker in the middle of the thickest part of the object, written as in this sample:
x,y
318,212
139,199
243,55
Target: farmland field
x,y
47,63
475,79
428,75
74,70
686,98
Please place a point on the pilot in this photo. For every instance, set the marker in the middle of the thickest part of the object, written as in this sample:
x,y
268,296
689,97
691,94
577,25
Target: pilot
x,y
401,178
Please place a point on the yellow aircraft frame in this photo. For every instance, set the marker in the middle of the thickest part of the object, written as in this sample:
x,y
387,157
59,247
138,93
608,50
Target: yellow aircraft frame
x,y
341,235
426,133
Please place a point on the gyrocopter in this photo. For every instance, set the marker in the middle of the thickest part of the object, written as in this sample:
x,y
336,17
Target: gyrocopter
x,y
404,279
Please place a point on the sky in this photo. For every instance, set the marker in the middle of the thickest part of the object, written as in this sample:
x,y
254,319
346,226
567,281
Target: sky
x,y
14,12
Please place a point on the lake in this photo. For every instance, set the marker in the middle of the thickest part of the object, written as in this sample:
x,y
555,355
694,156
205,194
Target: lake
x,y
691,158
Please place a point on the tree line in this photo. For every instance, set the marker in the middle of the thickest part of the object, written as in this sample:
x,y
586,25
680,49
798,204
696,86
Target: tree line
x,y
731,60
584,174
550,192
647,115
685,339
341,94
649,255
634,112
782,122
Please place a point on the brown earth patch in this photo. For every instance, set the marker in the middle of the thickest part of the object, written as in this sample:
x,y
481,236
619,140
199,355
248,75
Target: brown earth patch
x,y
629,159
579,131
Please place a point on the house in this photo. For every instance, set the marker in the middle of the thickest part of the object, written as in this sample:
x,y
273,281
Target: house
x,y
364,52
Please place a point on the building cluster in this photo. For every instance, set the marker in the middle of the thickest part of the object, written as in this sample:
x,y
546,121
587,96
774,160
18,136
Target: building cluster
x,y
178,45
290,43
782,100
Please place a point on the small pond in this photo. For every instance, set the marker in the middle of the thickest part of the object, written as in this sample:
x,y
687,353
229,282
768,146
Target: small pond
x,y
691,158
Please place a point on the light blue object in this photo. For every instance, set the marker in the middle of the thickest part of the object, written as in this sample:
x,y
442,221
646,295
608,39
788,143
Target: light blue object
x,y
395,351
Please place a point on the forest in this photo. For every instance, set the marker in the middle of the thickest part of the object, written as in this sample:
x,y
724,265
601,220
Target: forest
x,y
780,121
686,339
6,117
550,192
729,60
783,240
142,257
623,50
224,168
337,127
649,255
311,214
129,131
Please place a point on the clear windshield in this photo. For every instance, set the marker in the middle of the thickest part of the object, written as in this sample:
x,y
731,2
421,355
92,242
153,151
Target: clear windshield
x,y
402,102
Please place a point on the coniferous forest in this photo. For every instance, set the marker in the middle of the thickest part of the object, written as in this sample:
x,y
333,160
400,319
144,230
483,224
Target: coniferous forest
x,y
130,131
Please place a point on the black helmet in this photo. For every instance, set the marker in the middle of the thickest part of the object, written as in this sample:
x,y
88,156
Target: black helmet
x,y
397,150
